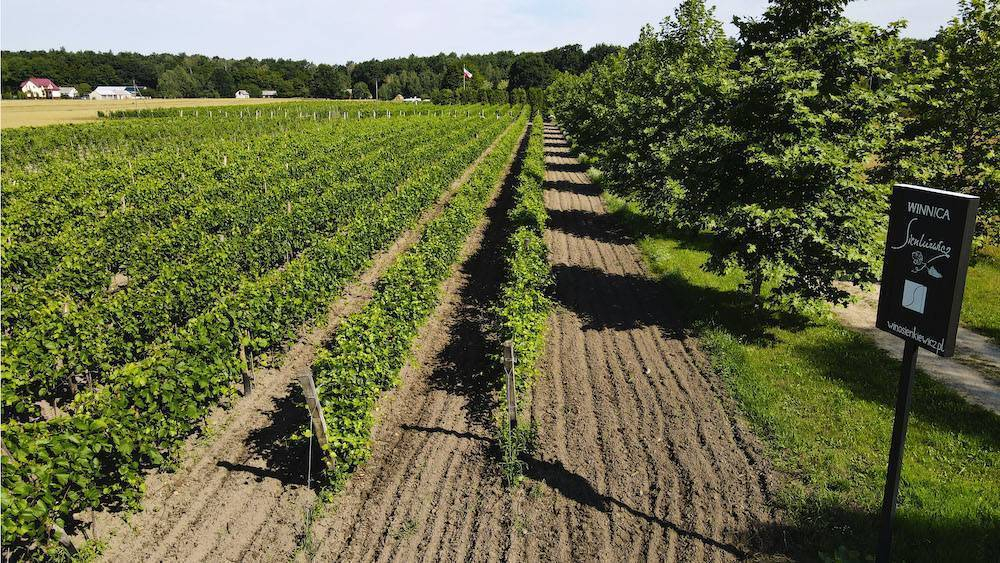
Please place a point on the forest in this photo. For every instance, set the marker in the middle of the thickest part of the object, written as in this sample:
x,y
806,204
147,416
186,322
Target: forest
x,y
199,76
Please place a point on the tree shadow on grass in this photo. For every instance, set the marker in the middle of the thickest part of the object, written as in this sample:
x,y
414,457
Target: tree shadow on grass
x,y
870,374
822,530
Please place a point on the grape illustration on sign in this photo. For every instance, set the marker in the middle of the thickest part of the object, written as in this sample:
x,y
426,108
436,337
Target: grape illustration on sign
x,y
926,258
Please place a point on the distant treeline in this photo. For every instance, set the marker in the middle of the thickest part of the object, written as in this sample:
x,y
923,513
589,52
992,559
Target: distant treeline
x,y
190,76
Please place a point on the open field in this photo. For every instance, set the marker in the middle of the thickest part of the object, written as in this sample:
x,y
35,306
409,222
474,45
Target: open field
x,y
35,113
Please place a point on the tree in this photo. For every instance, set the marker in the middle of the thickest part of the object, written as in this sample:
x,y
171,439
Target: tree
x,y
785,19
443,96
361,91
951,135
599,52
784,178
329,82
223,82
529,70
179,82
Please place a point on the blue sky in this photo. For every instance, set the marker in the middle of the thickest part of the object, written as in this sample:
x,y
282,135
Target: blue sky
x,y
338,31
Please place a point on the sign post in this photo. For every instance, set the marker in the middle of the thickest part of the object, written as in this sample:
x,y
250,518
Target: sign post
x,y
927,252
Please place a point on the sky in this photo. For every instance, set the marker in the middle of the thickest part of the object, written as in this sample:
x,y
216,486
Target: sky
x,y
336,31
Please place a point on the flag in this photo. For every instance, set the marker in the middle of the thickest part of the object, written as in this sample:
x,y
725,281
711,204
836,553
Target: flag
x,y
466,73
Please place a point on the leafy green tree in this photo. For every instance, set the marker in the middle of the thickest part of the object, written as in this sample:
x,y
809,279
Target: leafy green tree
x,y
329,82
223,82
639,109
518,96
360,91
529,70
444,96
951,135
784,179
785,19
179,82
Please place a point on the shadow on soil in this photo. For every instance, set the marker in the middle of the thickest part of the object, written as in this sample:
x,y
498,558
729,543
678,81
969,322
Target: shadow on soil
x,y
467,366
577,488
818,531
286,459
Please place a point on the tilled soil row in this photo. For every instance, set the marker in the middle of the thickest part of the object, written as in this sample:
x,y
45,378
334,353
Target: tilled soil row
x,y
641,455
431,490
240,492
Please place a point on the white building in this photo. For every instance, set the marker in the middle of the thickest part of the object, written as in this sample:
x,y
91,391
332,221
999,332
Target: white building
x,y
111,93
268,93
68,92
39,88
242,94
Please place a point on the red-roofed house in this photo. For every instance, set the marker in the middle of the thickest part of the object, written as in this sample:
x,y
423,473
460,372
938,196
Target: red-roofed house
x,y
39,88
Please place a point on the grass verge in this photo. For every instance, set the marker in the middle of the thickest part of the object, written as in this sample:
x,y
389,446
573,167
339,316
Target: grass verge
x,y
822,398
981,307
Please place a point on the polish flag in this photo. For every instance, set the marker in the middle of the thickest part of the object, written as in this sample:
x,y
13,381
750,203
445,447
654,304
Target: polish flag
x,y
466,73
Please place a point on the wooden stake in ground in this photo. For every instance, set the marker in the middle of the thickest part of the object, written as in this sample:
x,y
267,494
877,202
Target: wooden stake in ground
x,y
316,412
247,374
508,368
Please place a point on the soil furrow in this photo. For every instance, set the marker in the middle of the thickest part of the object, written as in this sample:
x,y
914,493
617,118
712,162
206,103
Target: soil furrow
x,y
432,433
648,443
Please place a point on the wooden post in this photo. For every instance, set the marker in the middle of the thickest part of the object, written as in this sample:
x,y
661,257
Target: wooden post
x,y
316,412
62,537
509,361
247,375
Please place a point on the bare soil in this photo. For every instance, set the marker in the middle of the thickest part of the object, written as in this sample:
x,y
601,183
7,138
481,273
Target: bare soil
x,y
240,492
641,454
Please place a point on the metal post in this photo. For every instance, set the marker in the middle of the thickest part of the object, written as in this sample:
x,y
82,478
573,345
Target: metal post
x,y
903,395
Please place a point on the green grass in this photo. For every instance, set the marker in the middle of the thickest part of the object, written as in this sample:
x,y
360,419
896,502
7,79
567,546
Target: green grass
x,y
981,307
822,398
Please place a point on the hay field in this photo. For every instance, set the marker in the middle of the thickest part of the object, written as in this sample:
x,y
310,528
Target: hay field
x,y
32,113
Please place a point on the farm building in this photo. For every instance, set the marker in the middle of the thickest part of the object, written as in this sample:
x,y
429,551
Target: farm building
x,y
68,92
242,94
39,88
111,93
268,93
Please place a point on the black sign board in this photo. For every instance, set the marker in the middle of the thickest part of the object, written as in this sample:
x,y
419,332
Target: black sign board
x,y
926,258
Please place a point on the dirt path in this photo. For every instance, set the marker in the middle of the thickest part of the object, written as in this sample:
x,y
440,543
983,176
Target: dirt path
x,y
240,492
640,453
973,372
640,456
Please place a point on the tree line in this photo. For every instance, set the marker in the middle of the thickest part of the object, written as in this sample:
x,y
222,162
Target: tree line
x,y
495,76
782,144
